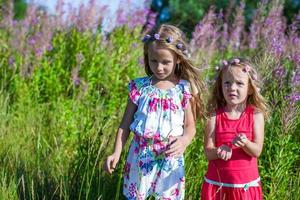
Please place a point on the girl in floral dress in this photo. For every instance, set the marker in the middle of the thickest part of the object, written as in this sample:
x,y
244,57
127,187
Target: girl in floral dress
x,y
161,112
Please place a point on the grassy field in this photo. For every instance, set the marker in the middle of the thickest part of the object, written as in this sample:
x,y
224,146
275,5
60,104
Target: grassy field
x,y
63,88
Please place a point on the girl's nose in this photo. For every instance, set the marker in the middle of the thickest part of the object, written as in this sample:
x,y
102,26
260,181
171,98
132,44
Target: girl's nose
x,y
232,86
159,67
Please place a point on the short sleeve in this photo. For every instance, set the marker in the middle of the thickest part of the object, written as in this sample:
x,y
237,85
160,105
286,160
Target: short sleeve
x,y
134,91
186,94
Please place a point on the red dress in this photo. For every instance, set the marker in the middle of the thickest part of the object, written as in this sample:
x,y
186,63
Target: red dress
x,y
237,178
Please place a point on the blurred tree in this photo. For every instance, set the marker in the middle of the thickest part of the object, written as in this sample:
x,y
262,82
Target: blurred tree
x,y
162,8
186,14
2,8
20,7
291,8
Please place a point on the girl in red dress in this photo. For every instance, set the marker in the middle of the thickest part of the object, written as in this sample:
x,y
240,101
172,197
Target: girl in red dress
x,y
234,134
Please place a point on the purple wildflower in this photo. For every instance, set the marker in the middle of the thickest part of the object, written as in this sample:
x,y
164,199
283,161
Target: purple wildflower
x,y
256,27
76,81
134,45
296,78
79,58
138,18
279,72
205,33
296,41
296,59
32,41
242,5
264,1
274,31
141,61
122,19
151,19
49,47
15,22
38,52
294,97
238,27
75,76
11,60
34,21
220,15
269,21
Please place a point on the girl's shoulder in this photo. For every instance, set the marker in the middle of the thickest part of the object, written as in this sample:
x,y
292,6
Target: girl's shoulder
x,y
211,122
211,117
184,82
252,108
138,83
135,88
257,113
141,80
184,85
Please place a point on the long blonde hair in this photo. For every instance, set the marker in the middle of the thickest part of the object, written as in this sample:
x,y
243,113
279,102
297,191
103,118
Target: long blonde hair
x,y
217,99
173,39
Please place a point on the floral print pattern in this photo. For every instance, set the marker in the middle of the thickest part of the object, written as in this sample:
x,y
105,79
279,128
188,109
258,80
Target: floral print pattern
x,y
160,114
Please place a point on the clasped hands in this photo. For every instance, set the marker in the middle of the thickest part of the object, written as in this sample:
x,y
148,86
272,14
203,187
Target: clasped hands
x,y
224,152
176,146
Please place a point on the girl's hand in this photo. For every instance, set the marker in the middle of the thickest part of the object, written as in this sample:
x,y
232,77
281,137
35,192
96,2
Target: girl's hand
x,y
224,152
110,163
177,146
240,140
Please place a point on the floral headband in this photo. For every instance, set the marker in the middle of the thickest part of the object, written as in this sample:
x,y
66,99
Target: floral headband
x,y
156,36
236,61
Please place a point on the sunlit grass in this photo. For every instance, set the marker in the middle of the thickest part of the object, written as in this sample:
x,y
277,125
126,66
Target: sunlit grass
x,y
59,113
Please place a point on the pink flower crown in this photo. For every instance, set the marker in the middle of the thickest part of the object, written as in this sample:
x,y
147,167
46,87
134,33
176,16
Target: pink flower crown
x,y
236,61
150,38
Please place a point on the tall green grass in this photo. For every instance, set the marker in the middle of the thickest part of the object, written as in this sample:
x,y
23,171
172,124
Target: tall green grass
x,y
55,132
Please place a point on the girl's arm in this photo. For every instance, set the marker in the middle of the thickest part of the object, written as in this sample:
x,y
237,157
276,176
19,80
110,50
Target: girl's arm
x,y
253,148
211,152
179,144
210,149
189,130
121,138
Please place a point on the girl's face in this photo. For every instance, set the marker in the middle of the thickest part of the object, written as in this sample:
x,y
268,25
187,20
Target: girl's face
x,y
235,85
162,62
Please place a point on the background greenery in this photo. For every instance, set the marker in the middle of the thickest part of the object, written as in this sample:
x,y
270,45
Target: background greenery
x,y
63,89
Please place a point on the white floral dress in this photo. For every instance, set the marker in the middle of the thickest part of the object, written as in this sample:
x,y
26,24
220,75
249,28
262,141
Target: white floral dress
x,y
160,114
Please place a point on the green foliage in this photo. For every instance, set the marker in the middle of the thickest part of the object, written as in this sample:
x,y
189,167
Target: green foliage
x,y
56,132
181,11
20,7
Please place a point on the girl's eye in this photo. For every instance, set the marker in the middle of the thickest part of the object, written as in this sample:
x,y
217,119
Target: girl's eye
x,y
165,62
240,83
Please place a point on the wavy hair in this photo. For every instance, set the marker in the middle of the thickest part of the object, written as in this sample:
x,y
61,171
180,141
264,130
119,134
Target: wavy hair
x,y
217,99
173,39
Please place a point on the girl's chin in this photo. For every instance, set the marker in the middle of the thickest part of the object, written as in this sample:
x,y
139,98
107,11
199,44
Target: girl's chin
x,y
235,103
